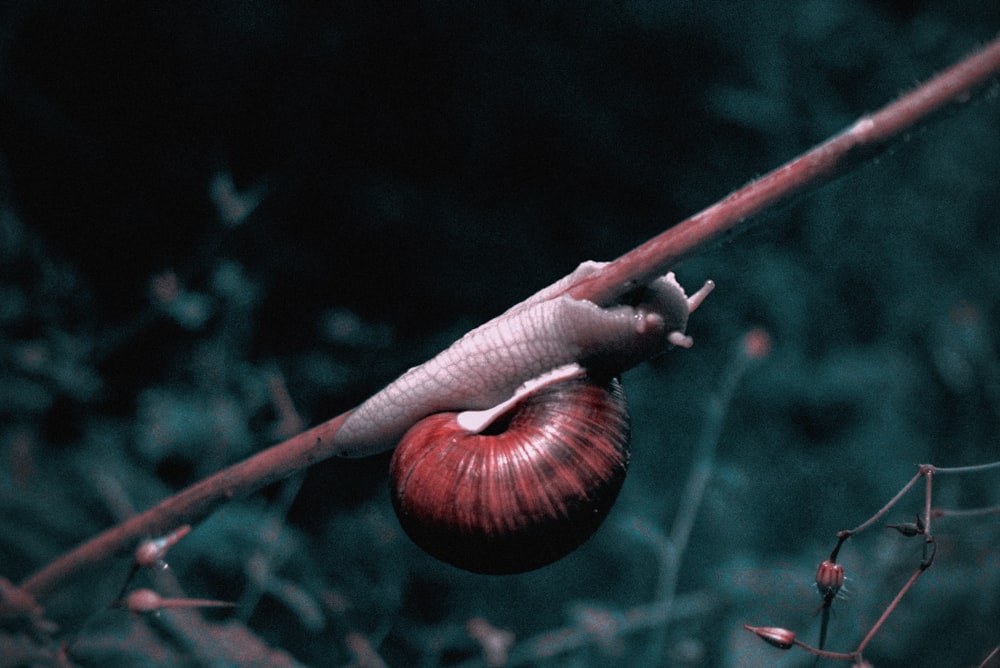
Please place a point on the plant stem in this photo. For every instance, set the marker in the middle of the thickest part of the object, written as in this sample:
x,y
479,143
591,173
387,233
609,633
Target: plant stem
x,y
637,267
192,504
814,168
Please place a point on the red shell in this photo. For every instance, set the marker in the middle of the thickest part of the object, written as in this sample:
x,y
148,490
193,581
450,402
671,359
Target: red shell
x,y
523,494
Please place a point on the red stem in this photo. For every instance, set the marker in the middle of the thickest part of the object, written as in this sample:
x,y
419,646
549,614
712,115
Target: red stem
x,y
810,170
637,267
192,504
888,611
886,508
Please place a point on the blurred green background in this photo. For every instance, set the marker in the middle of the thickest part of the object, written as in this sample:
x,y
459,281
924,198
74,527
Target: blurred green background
x,y
204,205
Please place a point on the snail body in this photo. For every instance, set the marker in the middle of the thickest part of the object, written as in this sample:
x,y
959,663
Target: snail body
x,y
537,477
523,493
548,330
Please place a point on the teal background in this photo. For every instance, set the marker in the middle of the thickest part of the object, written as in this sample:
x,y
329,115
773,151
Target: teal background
x,y
419,167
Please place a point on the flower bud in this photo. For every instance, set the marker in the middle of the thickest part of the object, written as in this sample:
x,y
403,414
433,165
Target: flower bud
x,y
152,551
773,635
829,579
143,600
909,529
757,343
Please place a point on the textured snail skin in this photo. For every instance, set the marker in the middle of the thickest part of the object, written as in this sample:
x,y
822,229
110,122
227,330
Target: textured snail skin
x,y
523,494
513,493
487,365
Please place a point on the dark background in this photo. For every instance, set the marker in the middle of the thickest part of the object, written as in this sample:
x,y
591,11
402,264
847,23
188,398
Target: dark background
x,y
416,168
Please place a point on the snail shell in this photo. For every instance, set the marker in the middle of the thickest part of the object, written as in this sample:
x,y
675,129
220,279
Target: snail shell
x,y
529,489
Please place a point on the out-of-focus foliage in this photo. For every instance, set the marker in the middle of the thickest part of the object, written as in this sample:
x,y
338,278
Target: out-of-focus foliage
x,y
210,210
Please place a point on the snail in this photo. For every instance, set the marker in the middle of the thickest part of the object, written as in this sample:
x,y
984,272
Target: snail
x,y
513,443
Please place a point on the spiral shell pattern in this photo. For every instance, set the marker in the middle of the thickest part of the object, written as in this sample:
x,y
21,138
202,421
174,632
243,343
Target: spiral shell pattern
x,y
527,491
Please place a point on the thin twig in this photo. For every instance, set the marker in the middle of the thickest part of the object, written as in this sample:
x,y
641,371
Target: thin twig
x,y
965,512
889,609
878,515
785,638
637,267
975,468
693,493
995,652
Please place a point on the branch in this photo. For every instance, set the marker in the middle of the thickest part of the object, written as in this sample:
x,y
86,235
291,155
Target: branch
x,y
637,267
814,168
